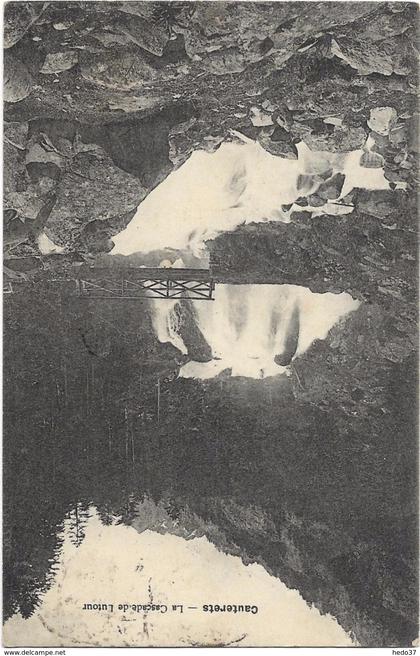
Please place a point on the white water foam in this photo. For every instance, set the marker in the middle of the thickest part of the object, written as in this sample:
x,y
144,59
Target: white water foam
x,y
248,326
238,183
117,565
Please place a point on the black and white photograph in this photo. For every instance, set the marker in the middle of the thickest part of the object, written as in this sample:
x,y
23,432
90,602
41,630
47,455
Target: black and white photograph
x,y
210,324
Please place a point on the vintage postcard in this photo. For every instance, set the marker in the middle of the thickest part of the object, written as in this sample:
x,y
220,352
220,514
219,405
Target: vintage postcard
x,y
210,319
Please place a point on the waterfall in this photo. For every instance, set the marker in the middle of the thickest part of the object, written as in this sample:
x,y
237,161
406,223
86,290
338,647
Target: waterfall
x,y
254,330
238,183
165,320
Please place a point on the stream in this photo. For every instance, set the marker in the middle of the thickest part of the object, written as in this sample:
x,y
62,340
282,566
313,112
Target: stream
x,y
170,478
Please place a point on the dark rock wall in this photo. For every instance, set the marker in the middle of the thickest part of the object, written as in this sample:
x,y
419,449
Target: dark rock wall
x,y
150,82
104,99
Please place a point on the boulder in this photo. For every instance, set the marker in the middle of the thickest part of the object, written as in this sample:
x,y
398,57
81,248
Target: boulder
x,y
92,187
18,82
382,120
122,70
18,18
57,62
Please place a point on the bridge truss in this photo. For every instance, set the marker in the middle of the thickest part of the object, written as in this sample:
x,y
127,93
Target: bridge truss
x,y
193,286
129,283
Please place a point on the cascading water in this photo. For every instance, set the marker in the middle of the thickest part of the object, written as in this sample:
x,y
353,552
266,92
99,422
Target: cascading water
x,y
239,183
116,581
253,330
166,324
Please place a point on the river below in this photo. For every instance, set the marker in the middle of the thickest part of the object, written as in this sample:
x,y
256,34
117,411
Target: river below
x,y
158,453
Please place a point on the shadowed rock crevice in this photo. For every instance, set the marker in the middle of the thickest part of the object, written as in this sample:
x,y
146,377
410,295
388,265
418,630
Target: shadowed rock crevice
x,y
313,476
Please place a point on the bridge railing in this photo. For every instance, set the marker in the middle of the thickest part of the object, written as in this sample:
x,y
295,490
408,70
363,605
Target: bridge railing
x,y
129,283
156,287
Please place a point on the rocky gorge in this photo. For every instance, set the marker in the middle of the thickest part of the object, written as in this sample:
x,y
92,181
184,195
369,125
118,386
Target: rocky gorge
x,y
102,102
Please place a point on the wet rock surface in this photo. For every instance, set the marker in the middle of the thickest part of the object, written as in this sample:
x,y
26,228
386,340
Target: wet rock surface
x,y
104,100
279,73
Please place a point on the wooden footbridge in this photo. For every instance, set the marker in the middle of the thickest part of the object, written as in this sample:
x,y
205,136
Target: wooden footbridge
x,y
118,280
135,283
132,283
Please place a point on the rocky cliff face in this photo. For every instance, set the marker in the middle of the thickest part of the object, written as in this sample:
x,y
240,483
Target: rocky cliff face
x,y
103,100
97,93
